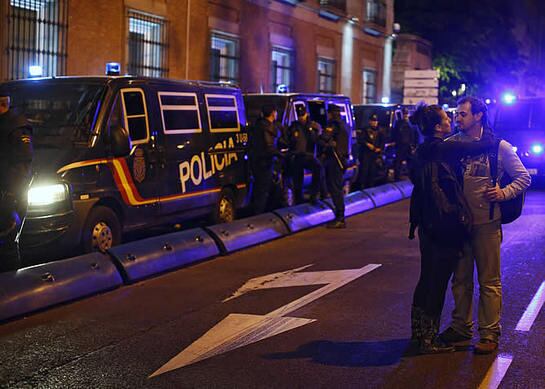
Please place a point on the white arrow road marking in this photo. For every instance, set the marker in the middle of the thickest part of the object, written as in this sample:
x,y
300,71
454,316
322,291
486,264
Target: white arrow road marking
x,y
497,371
238,330
526,321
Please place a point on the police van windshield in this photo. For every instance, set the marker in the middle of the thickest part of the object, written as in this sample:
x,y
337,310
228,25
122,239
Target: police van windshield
x,y
510,118
60,112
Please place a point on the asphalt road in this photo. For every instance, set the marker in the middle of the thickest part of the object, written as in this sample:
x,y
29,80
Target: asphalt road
x,y
321,308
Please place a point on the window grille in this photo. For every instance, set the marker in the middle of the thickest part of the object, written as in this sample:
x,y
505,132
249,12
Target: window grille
x,y
376,12
148,46
224,60
369,94
326,75
36,37
282,69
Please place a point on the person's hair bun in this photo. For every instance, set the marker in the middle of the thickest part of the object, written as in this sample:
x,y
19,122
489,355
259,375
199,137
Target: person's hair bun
x,y
418,115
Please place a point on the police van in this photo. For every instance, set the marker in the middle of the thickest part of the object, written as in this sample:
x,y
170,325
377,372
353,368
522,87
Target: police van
x,y
522,123
115,154
316,105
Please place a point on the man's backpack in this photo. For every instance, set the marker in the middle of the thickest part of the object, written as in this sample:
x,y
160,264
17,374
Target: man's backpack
x,y
510,209
446,215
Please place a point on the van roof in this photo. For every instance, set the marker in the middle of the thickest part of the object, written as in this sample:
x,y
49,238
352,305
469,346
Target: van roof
x,y
106,79
308,94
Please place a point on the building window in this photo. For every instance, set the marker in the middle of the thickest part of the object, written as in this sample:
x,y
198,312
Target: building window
x,y
376,12
339,5
224,58
326,75
36,37
282,70
369,94
147,45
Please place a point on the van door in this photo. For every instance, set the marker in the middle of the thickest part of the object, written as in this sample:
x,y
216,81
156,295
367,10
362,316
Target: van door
x,y
187,167
136,175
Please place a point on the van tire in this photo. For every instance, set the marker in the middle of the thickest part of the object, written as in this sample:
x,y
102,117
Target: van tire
x,y
102,230
224,211
346,187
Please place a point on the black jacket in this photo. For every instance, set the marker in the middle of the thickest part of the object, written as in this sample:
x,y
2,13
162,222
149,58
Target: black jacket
x,y
303,138
370,136
264,141
335,138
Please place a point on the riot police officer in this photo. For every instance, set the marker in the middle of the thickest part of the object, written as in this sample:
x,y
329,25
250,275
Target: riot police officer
x,y
263,151
405,137
334,143
371,145
15,174
303,138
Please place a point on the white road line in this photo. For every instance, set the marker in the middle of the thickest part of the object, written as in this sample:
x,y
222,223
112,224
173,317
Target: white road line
x,y
497,371
526,321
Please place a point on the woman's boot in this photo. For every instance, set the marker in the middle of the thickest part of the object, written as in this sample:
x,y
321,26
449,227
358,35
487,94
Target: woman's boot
x,y
430,343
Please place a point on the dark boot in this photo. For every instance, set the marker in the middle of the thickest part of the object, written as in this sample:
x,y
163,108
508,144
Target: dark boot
x,y
430,343
416,325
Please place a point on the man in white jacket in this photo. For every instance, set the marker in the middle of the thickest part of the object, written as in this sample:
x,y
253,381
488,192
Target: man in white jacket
x,y
483,247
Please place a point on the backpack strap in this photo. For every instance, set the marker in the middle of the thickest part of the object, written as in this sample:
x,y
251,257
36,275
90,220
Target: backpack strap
x,y
493,161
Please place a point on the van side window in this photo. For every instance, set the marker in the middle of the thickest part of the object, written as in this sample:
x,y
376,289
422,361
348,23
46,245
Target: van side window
x,y
293,114
222,113
136,115
179,112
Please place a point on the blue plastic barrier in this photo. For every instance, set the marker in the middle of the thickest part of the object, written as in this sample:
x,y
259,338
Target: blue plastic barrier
x,y
355,202
306,215
384,194
406,187
151,256
247,232
41,286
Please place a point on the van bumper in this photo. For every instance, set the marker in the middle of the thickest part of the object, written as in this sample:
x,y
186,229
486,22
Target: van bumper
x,y
47,237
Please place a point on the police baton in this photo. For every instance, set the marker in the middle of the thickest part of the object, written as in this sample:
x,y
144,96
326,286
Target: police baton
x,y
338,159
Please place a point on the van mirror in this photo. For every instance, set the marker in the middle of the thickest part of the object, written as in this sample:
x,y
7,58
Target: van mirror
x,y
120,142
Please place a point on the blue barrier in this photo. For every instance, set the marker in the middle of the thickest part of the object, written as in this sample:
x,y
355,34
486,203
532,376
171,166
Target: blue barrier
x,y
41,286
305,215
355,202
247,232
151,256
406,187
384,194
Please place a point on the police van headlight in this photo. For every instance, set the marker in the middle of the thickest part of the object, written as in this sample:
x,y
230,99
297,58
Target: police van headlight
x,y
46,195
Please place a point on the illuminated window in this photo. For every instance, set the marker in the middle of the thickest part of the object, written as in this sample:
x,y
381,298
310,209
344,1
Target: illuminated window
x,y
369,90
282,68
147,45
36,37
326,75
224,60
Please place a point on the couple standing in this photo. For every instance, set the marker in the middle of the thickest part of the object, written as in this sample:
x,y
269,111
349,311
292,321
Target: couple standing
x,y
457,171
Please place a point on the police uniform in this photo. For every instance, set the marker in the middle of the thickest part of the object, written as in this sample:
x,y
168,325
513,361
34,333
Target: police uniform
x,y
405,138
303,143
264,149
334,143
15,172
371,145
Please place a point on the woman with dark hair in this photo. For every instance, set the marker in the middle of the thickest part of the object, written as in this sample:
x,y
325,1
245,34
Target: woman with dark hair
x,y
437,178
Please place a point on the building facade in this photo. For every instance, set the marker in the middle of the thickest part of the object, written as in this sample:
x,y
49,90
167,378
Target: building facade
x,y
330,46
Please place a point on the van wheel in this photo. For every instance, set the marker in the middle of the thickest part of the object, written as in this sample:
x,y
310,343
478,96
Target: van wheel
x,y
225,208
102,230
288,197
346,187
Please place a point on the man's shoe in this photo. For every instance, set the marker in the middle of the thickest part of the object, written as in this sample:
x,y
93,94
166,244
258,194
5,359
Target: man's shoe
x,y
454,338
336,224
485,346
435,346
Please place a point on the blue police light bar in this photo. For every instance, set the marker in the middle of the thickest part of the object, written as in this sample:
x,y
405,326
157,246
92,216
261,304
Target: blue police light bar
x,y
537,148
113,69
385,100
35,71
508,98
